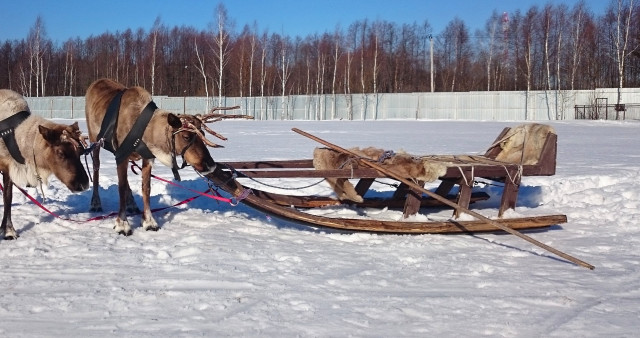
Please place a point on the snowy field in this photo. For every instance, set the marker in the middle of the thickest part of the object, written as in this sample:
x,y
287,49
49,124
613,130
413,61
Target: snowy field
x,y
218,270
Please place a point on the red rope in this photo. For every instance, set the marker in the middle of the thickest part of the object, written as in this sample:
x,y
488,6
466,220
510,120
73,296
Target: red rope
x,y
217,197
95,218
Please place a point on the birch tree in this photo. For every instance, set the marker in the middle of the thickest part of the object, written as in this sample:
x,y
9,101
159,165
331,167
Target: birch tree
x,y
623,14
221,46
576,41
336,55
491,30
263,72
200,66
36,43
154,45
284,60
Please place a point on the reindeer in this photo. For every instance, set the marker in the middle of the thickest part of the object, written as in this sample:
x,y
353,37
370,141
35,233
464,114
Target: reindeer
x,y
33,148
114,114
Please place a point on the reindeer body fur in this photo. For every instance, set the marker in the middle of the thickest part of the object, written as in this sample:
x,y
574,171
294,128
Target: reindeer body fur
x,y
158,136
37,152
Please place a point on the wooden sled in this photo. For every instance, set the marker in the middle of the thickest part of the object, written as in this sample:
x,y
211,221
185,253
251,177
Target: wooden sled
x,y
462,170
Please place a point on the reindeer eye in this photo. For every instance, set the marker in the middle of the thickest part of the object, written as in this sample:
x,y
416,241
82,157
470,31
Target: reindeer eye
x,y
60,153
188,136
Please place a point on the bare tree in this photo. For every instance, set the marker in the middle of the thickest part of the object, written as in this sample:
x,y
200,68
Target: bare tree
x,y
321,58
492,31
527,29
36,42
200,67
263,72
362,78
284,72
623,15
69,69
576,40
154,42
254,41
336,55
545,25
376,68
221,46
454,53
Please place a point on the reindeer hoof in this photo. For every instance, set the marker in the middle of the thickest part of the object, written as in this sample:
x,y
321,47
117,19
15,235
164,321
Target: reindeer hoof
x,y
149,224
9,234
124,232
122,227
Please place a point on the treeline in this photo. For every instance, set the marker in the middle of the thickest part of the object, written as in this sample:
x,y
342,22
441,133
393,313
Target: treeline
x,y
550,47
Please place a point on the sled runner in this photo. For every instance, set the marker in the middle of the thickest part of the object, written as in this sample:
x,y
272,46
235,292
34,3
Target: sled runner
x,y
527,150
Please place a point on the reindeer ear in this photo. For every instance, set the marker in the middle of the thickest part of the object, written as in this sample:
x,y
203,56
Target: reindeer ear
x,y
75,126
50,135
174,121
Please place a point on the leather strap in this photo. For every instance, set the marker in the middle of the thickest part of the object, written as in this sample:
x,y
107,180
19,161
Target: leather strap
x,y
110,122
7,132
133,141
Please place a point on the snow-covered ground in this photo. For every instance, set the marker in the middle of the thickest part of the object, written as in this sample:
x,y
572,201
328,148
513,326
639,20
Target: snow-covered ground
x,y
218,270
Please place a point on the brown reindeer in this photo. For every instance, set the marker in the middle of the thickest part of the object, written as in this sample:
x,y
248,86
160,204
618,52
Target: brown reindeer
x,y
32,148
164,137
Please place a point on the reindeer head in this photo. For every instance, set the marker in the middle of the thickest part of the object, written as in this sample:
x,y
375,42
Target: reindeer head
x,y
189,141
62,155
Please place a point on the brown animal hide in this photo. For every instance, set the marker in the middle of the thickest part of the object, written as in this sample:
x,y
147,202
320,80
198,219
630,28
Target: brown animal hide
x,y
47,147
37,139
523,144
404,164
164,136
157,135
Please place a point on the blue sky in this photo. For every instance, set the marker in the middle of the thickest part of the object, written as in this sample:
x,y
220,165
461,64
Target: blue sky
x,y
66,19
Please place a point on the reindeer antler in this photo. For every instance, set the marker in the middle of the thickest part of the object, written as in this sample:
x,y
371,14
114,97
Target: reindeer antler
x,y
215,117
188,126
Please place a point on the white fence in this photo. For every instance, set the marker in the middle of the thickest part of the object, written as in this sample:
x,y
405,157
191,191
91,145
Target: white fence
x,y
512,105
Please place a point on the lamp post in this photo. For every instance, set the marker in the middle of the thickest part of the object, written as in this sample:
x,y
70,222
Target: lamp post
x,y
431,59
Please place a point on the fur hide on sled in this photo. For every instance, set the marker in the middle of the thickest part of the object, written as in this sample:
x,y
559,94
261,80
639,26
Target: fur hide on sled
x,y
403,164
523,144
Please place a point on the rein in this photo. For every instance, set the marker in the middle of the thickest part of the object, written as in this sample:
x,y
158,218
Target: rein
x,y
233,202
217,196
96,218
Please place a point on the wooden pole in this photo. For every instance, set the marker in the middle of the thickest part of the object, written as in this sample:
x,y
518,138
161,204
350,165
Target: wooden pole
x,y
445,201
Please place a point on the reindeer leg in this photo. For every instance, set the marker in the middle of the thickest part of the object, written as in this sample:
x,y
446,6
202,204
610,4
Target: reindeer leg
x,y
132,207
122,225
7,226
96,204
148,222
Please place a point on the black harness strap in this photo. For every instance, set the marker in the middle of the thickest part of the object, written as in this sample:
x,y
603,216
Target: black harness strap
x,y
110,122
174,162
7,132
133,141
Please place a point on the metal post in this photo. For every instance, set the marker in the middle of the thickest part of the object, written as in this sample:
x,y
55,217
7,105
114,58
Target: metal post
x,y
431,57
